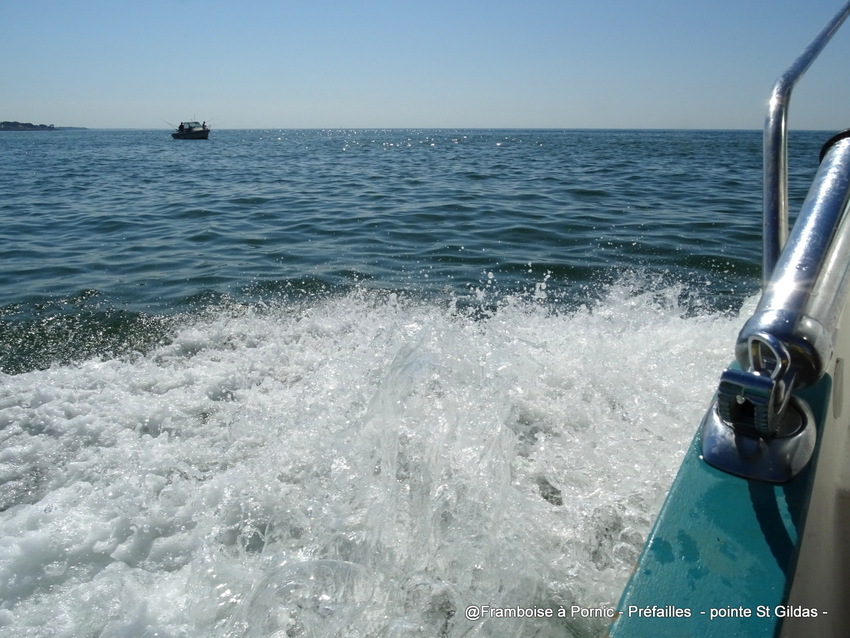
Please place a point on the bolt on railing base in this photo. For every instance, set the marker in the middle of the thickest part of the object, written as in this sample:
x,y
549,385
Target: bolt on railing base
x,y
775,459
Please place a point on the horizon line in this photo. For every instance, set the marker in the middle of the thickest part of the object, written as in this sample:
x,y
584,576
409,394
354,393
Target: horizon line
x,y
430,128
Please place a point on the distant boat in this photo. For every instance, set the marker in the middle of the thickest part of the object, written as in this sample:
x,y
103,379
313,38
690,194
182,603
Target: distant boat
x,y
191,131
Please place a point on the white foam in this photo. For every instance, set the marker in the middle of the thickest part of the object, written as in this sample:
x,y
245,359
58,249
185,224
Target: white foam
x,y
365,464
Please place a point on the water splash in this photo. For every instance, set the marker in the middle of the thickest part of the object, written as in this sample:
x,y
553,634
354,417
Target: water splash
x,y
363,464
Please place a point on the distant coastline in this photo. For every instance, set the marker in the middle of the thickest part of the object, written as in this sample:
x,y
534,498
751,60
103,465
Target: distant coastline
x,y
26,126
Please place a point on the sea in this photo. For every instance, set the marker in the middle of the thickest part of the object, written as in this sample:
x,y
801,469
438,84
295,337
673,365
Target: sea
x,y
362,383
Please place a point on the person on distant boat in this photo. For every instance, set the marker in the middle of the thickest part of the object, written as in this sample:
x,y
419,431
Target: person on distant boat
x,y
204,125
181,128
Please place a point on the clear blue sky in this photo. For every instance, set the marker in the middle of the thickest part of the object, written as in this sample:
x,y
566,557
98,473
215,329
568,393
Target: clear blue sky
x,y
416,63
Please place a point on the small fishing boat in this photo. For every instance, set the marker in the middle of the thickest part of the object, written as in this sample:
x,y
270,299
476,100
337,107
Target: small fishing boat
x,y
754,536
191,131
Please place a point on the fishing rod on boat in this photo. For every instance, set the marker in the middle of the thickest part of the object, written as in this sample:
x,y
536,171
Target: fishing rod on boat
x,y
209,124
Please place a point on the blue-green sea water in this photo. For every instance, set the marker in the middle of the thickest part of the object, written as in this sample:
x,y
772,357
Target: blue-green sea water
x,y
356,382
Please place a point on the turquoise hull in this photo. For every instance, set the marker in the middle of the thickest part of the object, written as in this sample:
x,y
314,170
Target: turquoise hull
x,y
722,554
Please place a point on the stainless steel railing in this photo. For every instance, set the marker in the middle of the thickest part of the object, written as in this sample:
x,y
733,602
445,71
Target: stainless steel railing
x,y
801,304
756,426
776,146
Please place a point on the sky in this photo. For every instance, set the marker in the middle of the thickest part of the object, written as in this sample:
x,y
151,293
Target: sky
x,y
695,64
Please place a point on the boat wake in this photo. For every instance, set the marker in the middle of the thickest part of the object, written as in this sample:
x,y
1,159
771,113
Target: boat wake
x,y
362,464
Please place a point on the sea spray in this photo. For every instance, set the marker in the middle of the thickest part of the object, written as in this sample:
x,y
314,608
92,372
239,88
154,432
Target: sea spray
x,y
359,464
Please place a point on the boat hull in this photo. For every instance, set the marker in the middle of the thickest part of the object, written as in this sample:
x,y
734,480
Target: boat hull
x,y
192,135
722,554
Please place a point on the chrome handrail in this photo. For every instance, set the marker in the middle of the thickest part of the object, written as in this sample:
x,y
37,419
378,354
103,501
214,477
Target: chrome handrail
x,y
756,426
776,147
801,304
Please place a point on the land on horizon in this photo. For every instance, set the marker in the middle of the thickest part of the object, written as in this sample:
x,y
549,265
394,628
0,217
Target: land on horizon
x,y
27,126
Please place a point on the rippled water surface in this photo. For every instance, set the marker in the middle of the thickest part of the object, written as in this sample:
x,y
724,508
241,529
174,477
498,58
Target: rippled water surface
x,y
150,222
319,383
